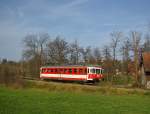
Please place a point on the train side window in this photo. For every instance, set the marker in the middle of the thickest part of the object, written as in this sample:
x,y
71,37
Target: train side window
x,y
56,70
65,70
51,70
80,70
44,70
61,70
75,71
70,71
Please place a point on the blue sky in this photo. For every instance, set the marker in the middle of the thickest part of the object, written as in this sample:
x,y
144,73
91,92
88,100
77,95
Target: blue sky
x,y
88,21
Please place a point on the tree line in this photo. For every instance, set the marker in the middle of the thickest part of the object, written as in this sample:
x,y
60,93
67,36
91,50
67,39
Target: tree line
x,y
120,57
40,50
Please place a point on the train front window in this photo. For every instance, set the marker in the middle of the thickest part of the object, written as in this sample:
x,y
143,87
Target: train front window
x,y
102,71
98,71
92,70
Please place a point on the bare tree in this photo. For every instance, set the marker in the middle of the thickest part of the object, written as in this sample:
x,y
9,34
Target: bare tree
x,y
106,52
43,38
107,62
30,46
116,37
57,51
125,50
136,37
87,55
31,55
33,52
34,44
75,52
97,55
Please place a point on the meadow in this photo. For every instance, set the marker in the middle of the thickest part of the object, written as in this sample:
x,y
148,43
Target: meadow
x,y
48,101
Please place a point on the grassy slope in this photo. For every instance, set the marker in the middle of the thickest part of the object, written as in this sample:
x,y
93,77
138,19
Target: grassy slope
x,y
35,101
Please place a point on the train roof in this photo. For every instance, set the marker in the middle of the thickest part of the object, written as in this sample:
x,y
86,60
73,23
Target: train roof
x,y
70,66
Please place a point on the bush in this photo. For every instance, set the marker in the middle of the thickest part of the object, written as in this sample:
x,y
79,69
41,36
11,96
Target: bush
x,y
122,79
10,74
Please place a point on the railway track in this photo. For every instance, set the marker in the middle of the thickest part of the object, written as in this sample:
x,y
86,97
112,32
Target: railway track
x,y
61,81
31,78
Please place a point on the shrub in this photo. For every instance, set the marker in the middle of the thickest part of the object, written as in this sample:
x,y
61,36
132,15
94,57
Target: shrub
x,y
10,74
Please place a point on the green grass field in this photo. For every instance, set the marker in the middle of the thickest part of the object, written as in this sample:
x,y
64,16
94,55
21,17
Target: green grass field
x,y
38,101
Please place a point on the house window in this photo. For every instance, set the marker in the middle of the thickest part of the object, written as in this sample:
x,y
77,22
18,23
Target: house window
x,y
147,73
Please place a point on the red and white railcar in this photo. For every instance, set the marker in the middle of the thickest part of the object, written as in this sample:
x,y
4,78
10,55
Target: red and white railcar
x,y
73,73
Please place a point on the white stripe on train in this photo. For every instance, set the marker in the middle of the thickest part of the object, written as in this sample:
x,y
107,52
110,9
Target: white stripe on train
x,y
63,76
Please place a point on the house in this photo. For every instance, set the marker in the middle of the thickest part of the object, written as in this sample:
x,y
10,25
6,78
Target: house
x,y
145,69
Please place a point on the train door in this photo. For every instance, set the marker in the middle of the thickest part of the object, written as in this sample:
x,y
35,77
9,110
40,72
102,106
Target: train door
x,y
91,72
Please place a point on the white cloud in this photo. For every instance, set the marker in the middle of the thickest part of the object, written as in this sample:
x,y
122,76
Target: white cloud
x,y
67,9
